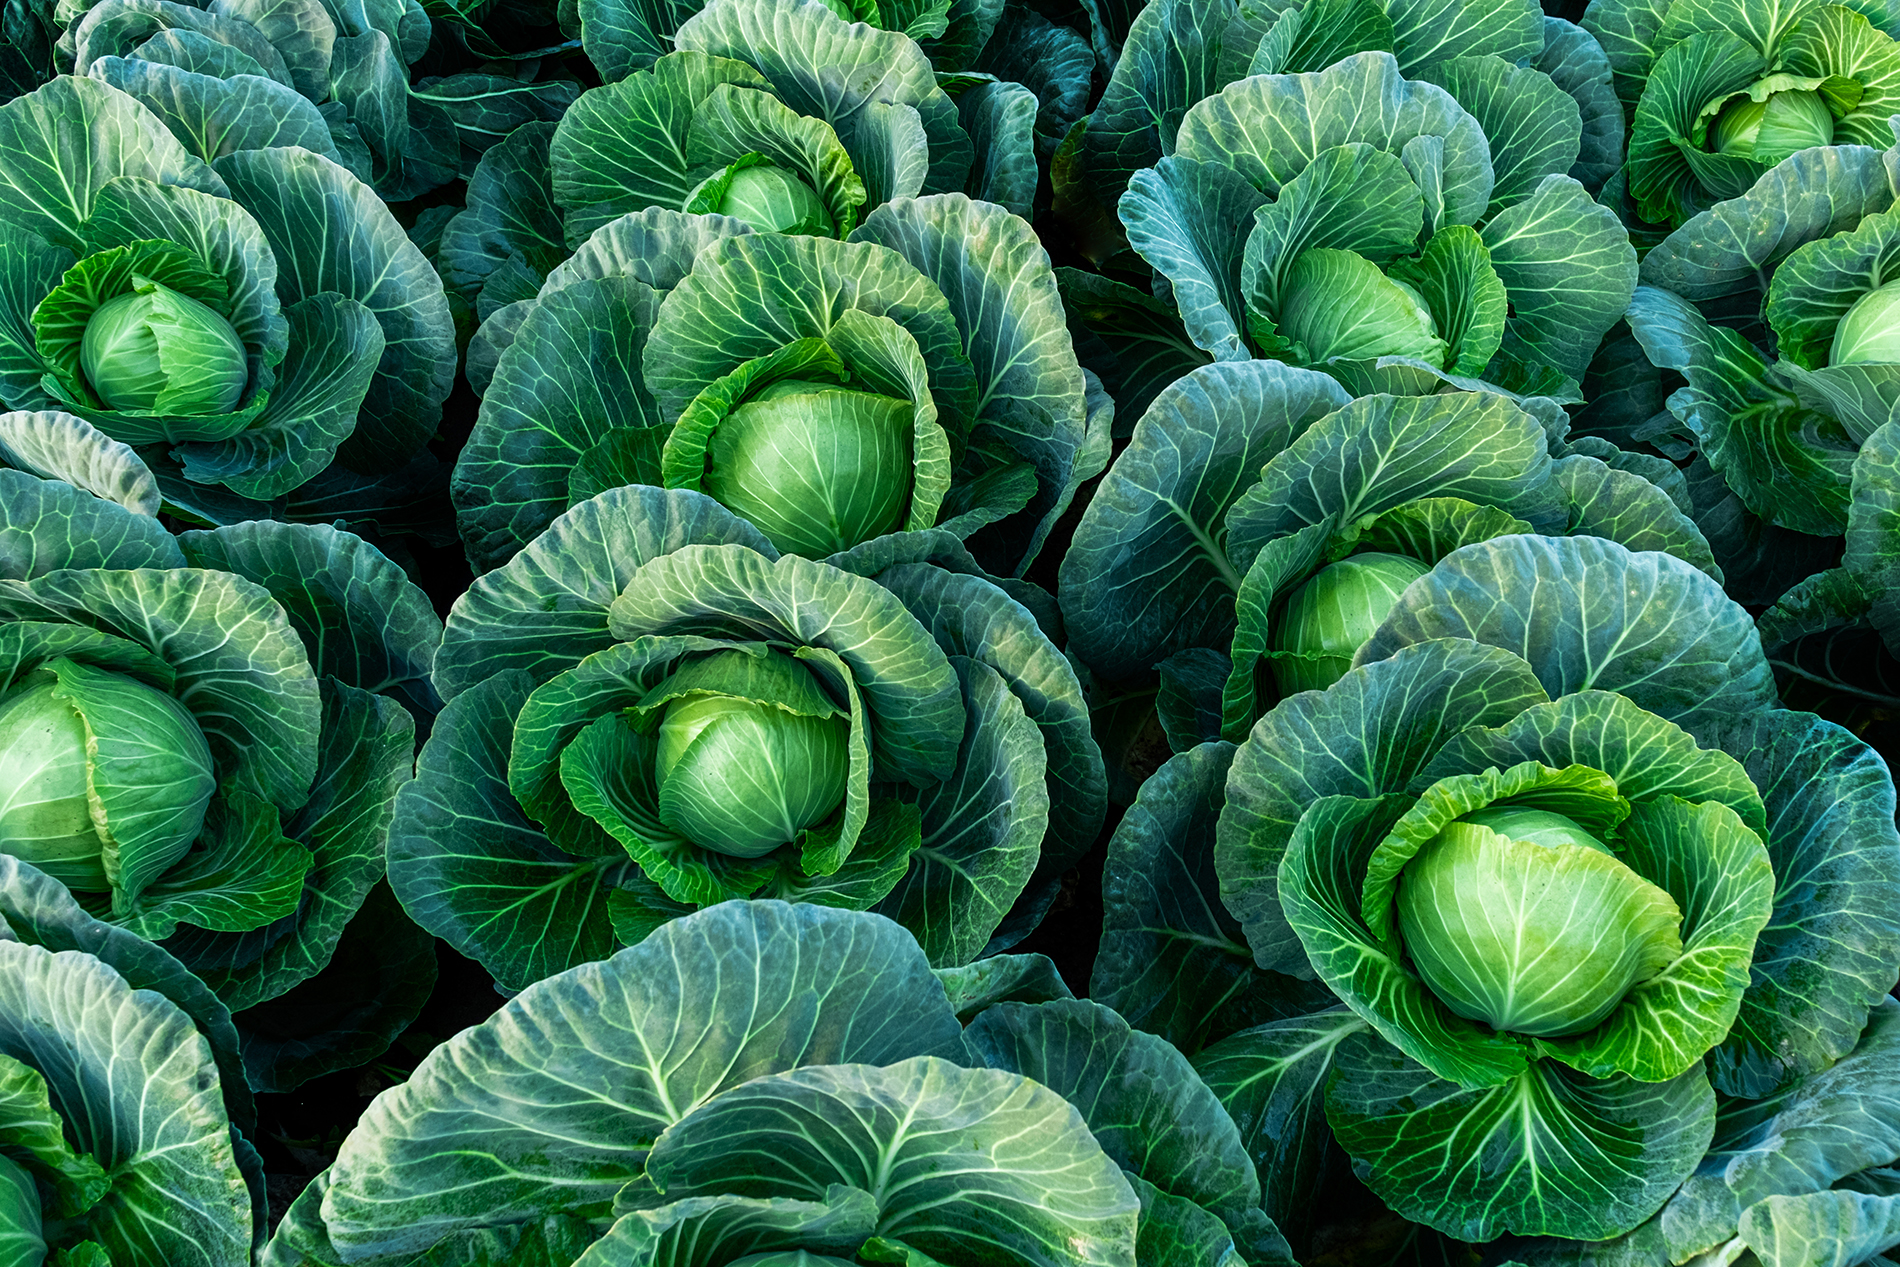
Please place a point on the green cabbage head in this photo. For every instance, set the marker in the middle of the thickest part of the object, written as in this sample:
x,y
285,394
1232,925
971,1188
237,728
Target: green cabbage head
x,y
751,751
1524,920
104,781
816,467
1502,840
152,348
768,198
1869,333
1335,303
1772,121
1329,618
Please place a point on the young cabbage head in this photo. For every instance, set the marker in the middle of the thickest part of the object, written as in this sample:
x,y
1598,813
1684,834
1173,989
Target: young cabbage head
x,y
1331,616
1870,330
816,467
1337,303
1523,920
154,350
769,198
1785,121
751,752
103,780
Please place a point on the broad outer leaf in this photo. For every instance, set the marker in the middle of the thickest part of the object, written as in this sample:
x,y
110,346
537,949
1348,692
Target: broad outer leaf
x,y
554,1102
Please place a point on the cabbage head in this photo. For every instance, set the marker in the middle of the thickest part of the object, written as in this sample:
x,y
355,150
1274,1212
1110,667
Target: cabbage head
x,y
251,321
1293,218
1532,842
201,739
885,730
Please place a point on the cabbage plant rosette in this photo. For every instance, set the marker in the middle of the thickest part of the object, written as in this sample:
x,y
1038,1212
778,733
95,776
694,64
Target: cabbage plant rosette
x,y
201,739
1389,231
1796,264
651,710
331,78
241,325
115,1145
1260,524
1721,92
919,375
1545,877
791,116
819,1095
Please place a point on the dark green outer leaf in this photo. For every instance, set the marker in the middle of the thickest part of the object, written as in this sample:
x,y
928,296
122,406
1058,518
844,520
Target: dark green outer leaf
x,y
469,865
1586,613
331,233
380,973
1172,959
570,377
1626,508
1873,528
58,446
1783,461
1729,248
510,216
39,911
1271,1080
1269,128
1133,341
47,524
67,141
1145,1105
983,826
1001,979
1429,31
1569,267
1822,1128
969,616
702,1231
1028,1183
1380,452
221,115
1534,127
155,1121
1629,31
546,608
1576,61
1191,220
1168,63
361,618
485,1132
1829,951
1551,1153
